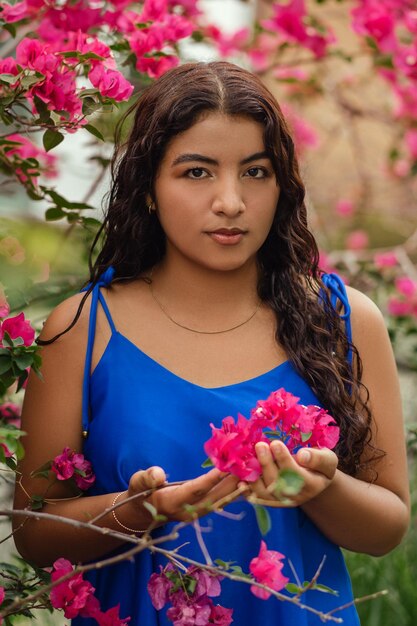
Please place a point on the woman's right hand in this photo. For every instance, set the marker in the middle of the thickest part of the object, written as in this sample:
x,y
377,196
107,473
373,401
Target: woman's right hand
x,y
201,493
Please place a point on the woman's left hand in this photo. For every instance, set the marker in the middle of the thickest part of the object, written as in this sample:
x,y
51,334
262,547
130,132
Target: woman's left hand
x,y
317,467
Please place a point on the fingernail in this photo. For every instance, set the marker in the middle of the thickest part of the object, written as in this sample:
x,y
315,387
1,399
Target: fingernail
x,y
304,456
261,451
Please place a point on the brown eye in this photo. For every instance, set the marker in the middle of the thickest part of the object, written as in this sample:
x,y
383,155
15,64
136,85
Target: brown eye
x,y
196,172
257,172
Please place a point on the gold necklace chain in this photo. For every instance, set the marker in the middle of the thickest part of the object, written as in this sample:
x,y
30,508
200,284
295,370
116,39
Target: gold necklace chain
x,y
194,330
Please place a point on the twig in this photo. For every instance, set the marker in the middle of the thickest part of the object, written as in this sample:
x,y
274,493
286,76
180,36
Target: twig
x,y
200,540
371,596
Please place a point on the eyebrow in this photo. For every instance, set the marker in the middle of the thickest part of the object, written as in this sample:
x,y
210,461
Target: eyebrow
x,y
186,158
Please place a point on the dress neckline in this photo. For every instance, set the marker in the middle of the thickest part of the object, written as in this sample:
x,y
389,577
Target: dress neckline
x,y
116,334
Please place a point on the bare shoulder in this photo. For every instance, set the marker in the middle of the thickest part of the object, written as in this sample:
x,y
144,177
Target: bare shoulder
x,y
63,315
367,319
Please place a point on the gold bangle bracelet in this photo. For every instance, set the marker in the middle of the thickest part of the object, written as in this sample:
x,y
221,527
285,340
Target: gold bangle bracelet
x,y
116,519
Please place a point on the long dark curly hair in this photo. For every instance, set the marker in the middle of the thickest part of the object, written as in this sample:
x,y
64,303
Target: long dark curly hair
x,y
308,327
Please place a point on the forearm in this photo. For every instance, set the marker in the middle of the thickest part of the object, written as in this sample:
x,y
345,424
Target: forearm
x,y
359,516
43,541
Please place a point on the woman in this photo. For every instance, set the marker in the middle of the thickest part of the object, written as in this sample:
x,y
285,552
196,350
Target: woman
x,y
214,301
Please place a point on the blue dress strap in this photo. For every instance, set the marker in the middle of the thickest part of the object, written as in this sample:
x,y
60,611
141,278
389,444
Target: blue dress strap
x,y
96,296
337,289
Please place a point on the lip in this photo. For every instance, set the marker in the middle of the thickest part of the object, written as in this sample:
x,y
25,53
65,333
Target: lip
x,y
227,236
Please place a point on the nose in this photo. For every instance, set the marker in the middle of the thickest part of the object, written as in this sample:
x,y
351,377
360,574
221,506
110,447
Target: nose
x,y
228,198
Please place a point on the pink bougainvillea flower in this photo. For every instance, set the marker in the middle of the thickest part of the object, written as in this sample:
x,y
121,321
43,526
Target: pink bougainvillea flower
x,y
10,413
290,21
156,66
385,259
345,207
266,569
70,464
72,595
110,83
110,617
373,19
191,603
7,453
232,447
410,138
220,615
357,240
304,134
406,96
26,149
159,586
207,584
325,264
228,44
406,286
324,430
189,611
406,304
16,327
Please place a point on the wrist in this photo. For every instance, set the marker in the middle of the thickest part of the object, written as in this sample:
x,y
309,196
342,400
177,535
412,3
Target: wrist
x,y
127,516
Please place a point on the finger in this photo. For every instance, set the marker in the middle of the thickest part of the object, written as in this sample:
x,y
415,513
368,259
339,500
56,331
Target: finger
x,y
259,489
198,488
283,457
147,479
320,460
269,466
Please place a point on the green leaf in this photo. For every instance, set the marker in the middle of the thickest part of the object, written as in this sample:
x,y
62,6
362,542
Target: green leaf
x,y
9,79
28,81
288,483
150,507
11,28
36,503
293,588
54,213
42,471
263,519
94,131
5,363
207,463
7,340
305,436
23,360
51,139
90,106
325,589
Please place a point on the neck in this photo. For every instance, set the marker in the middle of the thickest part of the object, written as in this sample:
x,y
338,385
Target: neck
x,y
203,296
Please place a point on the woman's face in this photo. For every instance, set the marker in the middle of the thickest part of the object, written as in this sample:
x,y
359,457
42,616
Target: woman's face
x,y
216,193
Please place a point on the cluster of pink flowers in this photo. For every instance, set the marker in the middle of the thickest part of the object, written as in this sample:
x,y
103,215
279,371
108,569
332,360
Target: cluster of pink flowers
x,y
150,34
75,596
190,595
266,568
72,465
290,21
53,75
16,326
406,302
392,25
18,148
232,446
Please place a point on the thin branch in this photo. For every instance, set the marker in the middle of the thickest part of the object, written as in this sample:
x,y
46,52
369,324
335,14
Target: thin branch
x,y
200,540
